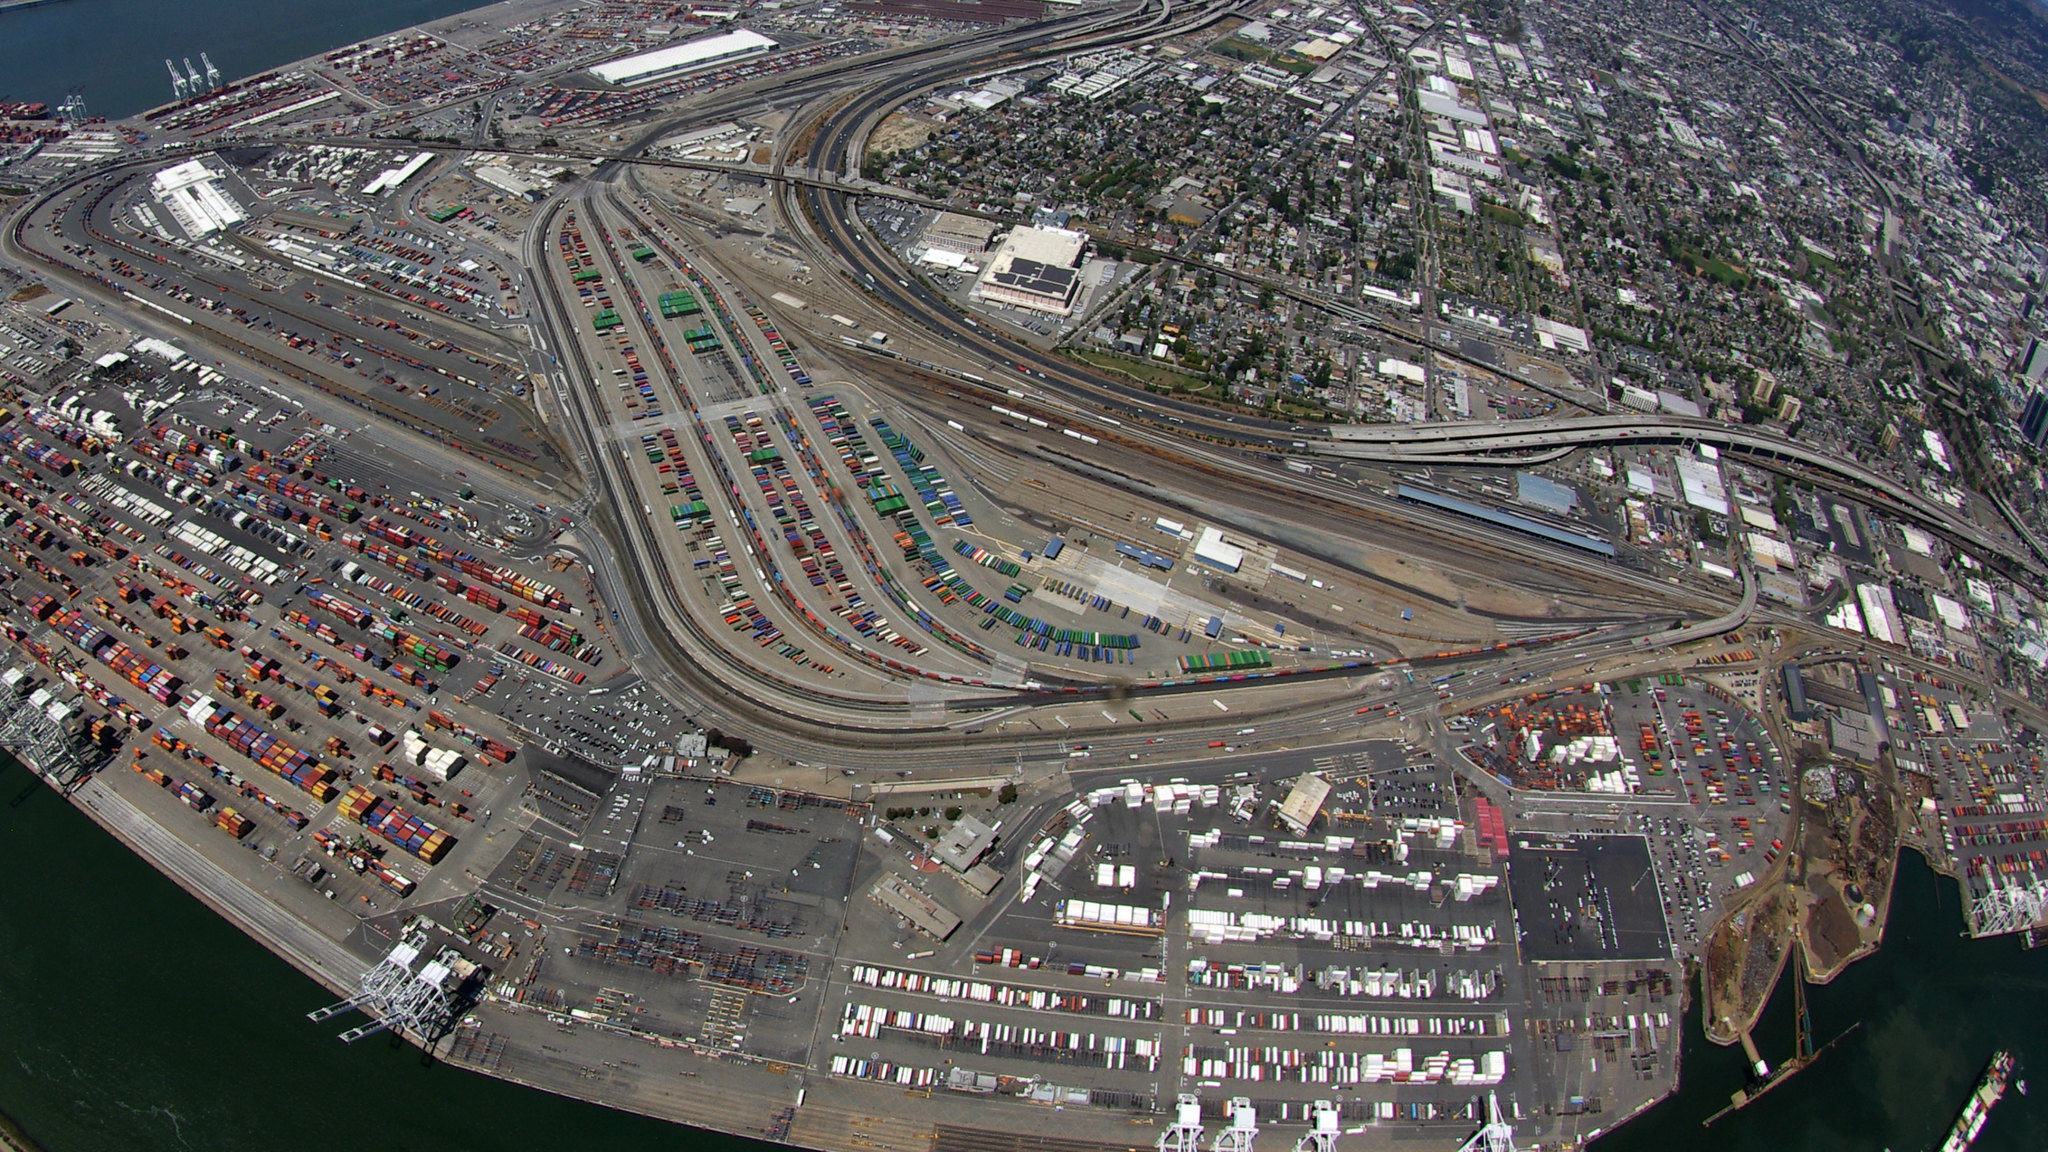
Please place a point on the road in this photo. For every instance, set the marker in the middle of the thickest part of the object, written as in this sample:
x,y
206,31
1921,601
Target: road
x,y
1532,441
796,719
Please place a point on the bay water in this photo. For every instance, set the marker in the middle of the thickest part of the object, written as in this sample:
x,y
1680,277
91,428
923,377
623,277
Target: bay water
x,y
113,51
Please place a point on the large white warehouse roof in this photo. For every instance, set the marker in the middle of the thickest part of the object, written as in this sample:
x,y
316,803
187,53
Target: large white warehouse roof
x,y
683,57
192,193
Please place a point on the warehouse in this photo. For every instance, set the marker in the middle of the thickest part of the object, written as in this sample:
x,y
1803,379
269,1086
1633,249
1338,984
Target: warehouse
x,y
1216,550
689,56
193,193
1577,540
1304,802
1035,268
924,913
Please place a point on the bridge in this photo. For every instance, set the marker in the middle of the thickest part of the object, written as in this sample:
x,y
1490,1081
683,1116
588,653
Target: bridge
x,y
1532,442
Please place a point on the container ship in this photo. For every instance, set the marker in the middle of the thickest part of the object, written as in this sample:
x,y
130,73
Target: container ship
x,y
1989,1091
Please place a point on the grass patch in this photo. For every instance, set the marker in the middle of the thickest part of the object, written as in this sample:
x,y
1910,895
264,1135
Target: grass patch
x,y
1724,271
1146,371
1235,49
1503,214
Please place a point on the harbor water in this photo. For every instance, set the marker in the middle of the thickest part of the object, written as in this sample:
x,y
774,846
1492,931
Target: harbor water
x,y
135,1018
113,51
1933,1006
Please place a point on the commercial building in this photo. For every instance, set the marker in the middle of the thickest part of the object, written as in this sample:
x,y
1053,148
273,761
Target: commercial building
x,y
2033,363
2034,420
1035,268
689,56
193,195
953,232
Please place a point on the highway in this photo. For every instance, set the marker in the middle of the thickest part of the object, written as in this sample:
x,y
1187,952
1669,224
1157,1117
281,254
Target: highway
x,y
1534,440
800,720
691,665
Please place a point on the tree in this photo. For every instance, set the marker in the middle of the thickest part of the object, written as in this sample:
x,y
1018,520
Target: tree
x,y
1007,794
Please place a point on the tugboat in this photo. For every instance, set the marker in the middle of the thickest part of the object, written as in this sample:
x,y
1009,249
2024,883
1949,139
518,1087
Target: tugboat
x,y
1978,1109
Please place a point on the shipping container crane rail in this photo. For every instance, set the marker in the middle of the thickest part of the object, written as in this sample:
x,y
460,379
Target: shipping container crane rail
x,y
1497,1135
395,996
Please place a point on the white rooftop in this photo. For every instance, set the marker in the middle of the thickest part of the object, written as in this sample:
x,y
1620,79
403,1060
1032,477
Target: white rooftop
x,y
677,57
1058,247
192,193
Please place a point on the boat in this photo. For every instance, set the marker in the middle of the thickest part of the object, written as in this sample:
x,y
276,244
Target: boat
x,y
1978,1108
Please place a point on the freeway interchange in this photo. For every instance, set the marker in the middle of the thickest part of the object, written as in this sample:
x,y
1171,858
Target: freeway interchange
x,y
863,700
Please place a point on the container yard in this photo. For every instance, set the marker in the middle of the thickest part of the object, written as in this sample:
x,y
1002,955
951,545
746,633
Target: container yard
x,y
1099,789
195,597
408,832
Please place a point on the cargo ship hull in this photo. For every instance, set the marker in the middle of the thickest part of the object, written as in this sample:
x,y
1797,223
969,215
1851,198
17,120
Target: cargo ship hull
x,y
1978,1108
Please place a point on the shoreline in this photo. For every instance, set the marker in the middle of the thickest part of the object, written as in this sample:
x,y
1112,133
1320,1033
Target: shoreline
x,y
271,943
13,1139
91,794
82,797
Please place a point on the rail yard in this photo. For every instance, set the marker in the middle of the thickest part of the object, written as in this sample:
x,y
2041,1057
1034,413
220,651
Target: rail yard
x,y
537,537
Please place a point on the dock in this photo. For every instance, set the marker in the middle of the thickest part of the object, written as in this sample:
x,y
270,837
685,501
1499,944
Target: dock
x,y
1804,1053
11,5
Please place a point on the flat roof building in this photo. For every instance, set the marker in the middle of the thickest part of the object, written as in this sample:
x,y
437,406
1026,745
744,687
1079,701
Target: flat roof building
x,y
2034,420
1304,802
1035,268
193,195
965,843
502,179
689,56
923,912
953,232
1217,551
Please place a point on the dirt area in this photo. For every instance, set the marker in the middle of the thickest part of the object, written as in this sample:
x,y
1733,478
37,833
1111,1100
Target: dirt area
x,y
1743,960
1543,371
896,133
1850,850
1830,932
1863,825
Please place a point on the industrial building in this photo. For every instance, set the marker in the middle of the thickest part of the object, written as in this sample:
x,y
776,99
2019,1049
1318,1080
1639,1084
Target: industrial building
x,y
512,183
923,913
964,235
1579,540
390,179
1035,268
1216,550
966,843
193,194
689,56
1304,802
